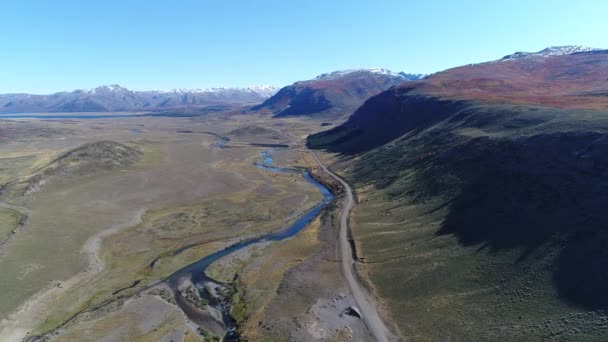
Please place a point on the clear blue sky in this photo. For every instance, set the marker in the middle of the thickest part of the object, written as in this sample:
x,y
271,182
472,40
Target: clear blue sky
x,y
49,46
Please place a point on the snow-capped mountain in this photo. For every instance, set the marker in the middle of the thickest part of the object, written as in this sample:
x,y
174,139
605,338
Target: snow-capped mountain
x,y
333,94
551,51
349,72
378,71
562,77
113,88
261,90
116,98
264,90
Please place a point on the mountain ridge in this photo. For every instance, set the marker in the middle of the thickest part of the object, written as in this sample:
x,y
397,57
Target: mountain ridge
x,y
332,95
573,80
114,97
551,51
484,188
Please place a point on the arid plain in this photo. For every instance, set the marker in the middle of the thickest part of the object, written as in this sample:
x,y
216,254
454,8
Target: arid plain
x,y
96,214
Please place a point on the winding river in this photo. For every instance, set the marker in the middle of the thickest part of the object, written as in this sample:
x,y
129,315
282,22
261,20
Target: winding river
x,y
195,272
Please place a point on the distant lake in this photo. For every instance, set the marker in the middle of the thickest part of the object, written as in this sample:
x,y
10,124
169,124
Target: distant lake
x,y
93,116
65,116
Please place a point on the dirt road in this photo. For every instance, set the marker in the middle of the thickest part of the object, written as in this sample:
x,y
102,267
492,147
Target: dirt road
x,y
368,311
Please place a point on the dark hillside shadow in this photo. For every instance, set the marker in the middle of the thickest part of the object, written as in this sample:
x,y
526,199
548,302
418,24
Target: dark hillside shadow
x,y
528,178
383,118
550,188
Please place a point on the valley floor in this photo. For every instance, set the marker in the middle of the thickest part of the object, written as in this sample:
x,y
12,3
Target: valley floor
x,y
97,213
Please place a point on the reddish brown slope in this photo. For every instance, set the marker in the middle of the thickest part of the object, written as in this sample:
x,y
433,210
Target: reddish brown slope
x,y
577,80
484,214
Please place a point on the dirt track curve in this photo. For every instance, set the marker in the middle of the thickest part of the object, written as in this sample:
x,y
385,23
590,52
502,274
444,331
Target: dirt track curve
x,y
368,311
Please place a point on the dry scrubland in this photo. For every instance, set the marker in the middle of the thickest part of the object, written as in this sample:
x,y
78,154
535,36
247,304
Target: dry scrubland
x,y
486,224
436,289
104,219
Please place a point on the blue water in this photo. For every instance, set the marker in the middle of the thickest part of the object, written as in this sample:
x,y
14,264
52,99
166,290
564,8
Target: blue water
x,y
267,164
94,116
221,142
66,116
197,269
267,158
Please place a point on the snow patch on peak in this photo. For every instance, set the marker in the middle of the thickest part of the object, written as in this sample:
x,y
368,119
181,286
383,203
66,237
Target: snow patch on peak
x,y
112,88
261,90
348,72
551,51
264,90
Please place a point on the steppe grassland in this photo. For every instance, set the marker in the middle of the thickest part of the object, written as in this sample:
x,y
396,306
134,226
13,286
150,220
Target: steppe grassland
x,y
260,279
64,215
261,283
9,220
209,225
142,319
219,192
444,281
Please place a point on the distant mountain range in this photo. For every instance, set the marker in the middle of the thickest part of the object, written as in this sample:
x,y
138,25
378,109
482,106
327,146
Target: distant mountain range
x,y
333,94
116,98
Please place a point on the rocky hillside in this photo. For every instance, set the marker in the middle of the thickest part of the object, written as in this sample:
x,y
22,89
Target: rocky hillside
x,y
576,80
332,94
483,188
116,98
